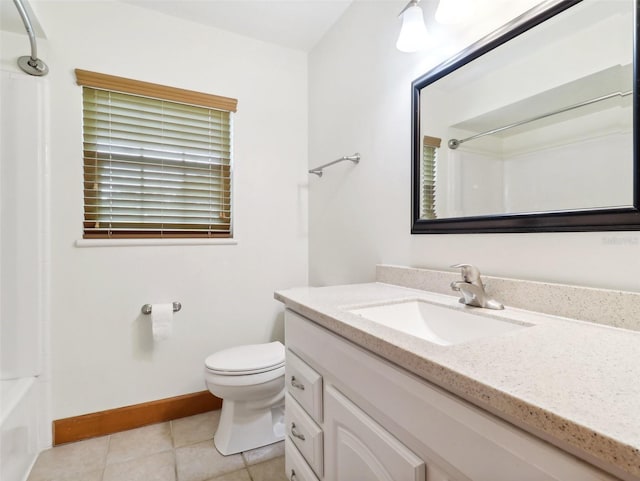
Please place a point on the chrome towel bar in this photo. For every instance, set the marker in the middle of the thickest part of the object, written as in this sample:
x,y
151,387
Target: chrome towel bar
x,y
146,309
355,158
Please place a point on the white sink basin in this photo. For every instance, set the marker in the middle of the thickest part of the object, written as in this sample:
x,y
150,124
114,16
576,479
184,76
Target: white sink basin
x,y
434,323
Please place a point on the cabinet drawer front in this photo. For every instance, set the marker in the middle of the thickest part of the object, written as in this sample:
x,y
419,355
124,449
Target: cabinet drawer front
x,y
359,448
304,433
296,467
304,384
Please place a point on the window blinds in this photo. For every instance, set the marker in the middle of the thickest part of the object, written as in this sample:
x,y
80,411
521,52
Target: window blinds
x,y
155,167
428,176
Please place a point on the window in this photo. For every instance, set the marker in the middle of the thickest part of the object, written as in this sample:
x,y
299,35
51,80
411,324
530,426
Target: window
x,y
430,148
157,160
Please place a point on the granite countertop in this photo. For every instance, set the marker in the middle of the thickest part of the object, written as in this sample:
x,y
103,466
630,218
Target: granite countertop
x,y
575,384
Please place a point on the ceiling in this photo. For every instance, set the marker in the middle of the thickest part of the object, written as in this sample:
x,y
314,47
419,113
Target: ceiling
x,y
10,20
297,24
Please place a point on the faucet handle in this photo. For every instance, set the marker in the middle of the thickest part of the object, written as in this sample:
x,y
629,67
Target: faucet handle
x,y
470,273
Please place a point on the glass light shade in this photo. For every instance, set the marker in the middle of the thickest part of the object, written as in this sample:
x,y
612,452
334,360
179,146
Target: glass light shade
x,y
450,12
413,34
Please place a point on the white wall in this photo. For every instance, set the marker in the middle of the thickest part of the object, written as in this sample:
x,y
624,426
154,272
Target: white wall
x,y
359,100
103,356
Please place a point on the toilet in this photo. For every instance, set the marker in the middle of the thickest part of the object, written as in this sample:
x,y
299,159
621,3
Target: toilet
x,y
250,381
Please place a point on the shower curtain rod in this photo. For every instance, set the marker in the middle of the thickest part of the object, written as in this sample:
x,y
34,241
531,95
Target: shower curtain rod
x,y
455,143
30,64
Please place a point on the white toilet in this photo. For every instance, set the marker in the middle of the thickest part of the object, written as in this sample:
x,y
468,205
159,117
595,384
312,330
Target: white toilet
x,y
250,381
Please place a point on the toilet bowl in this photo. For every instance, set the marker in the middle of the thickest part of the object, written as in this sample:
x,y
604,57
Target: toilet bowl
x,y
250,381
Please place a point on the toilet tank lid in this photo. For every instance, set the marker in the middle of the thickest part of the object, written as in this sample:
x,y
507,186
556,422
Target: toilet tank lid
x,y
250,357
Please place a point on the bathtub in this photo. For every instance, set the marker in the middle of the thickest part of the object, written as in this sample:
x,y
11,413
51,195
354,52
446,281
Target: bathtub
x,y
18,427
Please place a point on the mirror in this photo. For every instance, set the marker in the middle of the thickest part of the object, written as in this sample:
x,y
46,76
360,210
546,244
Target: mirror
x,y
533,127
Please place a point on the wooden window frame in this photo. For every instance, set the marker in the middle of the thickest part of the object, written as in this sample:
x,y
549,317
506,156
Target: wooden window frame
x,y
158,92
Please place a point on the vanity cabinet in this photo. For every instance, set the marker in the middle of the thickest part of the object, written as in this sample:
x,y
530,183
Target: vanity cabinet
x,y
377,421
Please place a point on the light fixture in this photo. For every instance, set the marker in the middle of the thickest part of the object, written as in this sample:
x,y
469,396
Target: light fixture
x,y
413,34
450,12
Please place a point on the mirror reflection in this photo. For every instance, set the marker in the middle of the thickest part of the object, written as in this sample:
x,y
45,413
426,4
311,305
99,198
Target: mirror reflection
x,y
542,123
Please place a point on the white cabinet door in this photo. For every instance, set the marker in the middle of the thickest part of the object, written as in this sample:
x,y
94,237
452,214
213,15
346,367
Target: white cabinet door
x,y
359,449
434,474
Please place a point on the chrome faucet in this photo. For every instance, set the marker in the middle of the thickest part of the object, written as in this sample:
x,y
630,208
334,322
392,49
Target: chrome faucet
x,y
472,288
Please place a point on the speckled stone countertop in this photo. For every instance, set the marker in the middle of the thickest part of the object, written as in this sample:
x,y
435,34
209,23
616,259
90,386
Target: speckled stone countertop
x,y
572,383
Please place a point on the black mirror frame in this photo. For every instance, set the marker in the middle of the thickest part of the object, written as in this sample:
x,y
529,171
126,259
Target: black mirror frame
x,y
617,219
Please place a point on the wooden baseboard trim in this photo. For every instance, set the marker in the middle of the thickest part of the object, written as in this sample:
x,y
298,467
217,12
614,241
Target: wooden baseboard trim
x,y
129,417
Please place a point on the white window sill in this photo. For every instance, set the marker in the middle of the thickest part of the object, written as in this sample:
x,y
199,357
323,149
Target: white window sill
x,y
152,242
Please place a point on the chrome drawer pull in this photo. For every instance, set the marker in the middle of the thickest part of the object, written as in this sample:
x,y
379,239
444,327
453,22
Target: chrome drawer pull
x,y
293,476
295,383
295,433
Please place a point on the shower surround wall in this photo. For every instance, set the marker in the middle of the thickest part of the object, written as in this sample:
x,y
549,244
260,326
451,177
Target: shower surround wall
x,y
24,269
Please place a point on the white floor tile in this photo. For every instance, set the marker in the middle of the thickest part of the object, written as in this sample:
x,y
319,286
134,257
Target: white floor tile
x,y
136,443
194,429
148,454
200,462
272,470
156,467
62,462
264,453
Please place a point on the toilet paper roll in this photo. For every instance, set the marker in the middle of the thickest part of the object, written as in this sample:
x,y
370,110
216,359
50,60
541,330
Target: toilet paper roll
x,y
161,321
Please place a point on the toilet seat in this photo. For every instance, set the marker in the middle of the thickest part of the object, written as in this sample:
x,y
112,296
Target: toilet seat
x,y
247,359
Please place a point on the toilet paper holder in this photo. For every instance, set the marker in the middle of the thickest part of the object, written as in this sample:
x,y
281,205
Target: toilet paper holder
x,y
146,309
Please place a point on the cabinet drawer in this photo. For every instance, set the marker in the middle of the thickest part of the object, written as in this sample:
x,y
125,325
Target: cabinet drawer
x,y
304,433
296,467
304,384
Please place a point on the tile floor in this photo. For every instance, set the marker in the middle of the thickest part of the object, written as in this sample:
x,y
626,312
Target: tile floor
x,y
179,450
